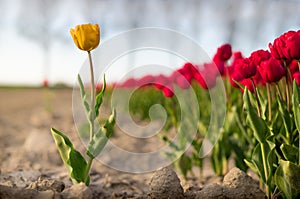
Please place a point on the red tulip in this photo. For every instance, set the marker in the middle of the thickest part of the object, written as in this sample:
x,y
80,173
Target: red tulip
x,y
245,67
286,46
247,83
224,52
271,70
292,45
259,56
168,91
296,77
129,83
235,76
182,82
207,76
45,83
220,65
145,81
277,48
294,66
230,69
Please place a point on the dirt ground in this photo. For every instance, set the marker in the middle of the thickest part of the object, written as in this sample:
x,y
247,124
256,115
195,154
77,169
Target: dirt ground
x,y
28,150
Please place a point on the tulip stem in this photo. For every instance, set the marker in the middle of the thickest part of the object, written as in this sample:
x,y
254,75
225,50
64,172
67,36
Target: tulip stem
x,y
287,87
278,91
87,171
92,108
257,100
287,91
269,101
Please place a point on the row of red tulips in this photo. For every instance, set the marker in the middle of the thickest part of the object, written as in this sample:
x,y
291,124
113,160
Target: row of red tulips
x,y
260,68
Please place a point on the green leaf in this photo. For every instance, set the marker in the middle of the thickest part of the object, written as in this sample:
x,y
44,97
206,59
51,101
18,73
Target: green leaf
x,y
263,104
100,138
287,178
271,161
258,125
290,152
296,105
270,157
99,97
185,164
83,95
287,120
73,160
251,165
257,161
216,160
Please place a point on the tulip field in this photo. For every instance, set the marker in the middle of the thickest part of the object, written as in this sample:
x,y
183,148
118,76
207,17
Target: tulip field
x,y
239,113
262,124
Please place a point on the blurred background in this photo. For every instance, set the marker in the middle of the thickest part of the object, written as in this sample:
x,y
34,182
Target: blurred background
x,y
35,44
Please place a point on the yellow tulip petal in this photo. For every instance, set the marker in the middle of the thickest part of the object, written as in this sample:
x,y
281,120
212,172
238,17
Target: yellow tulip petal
x,y
86,36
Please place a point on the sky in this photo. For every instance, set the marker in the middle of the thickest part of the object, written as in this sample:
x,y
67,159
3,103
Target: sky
x,y
247,24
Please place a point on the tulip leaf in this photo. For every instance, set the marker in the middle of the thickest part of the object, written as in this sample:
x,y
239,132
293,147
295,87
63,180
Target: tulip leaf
x,y
184,164
268,153
287,178
83,95
256,123
101,137
73,160
290,152
286,117
99,97
216,159
296,105
257,161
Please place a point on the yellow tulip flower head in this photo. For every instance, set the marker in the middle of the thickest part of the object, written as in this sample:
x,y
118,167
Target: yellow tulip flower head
x,y
86,36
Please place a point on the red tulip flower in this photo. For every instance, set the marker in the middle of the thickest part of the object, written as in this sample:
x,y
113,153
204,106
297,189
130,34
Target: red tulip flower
x,y
224,53
271,70
259,56
292,45
287,46
246,68
277,48
145,81
248,84
294,66
168,91
235,76
207,76
182,82
296,77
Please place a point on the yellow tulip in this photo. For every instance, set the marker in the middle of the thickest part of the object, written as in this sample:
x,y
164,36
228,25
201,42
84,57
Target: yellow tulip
x,y
86,36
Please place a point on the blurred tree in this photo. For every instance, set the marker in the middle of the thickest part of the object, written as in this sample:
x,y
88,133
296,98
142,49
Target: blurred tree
x,y
37,20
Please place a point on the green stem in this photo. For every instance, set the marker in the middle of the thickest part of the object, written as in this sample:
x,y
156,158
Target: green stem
x,y
173,113
256,97
265,169
92,108
87,171
287,87
269,102
278,91
287,95
237,119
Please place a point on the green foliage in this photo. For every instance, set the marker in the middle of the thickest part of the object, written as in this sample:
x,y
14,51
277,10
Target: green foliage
x,y
100,138
72,159
99,97
76,165
296,106
257,124
287,178
83,95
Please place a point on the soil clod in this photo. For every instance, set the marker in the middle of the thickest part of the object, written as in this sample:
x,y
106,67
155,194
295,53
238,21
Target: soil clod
x,y
165,184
